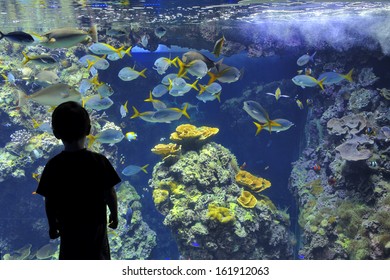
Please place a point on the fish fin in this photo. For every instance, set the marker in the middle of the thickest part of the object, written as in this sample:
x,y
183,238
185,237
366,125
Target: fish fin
x,y
21,99
184,111
143,168
348,76
1,35
173,61
270,93
259,127
218,64
136,113
142,73
284,95
93,32
242,72
125,106
90,64
218,96
170,84
5,77
91,139
312,56
26,58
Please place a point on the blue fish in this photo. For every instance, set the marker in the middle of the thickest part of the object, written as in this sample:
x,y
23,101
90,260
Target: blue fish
x,y
195,244
301,256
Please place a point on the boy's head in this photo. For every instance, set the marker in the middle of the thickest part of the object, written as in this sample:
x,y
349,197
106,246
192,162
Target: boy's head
x,y
70,122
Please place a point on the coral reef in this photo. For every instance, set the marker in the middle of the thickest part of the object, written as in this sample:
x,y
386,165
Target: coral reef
x,y
133,239
191,137
198,197
344,205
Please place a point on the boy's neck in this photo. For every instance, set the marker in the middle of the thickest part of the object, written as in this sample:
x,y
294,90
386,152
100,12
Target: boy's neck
x,y
75,145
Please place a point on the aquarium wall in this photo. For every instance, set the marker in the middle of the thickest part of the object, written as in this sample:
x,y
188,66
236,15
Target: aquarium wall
x,y
240,129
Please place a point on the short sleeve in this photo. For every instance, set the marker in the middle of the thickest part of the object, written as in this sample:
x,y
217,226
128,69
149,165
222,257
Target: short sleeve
x,y
111,177
45,181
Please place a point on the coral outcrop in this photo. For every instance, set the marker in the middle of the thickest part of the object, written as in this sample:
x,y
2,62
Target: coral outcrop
x,y
202,210
191,137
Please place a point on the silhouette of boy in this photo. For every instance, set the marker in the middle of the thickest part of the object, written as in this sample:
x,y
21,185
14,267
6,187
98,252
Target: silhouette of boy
x,y
78,185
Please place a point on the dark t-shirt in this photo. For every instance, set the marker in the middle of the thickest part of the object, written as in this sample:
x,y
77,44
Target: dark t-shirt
x,y
76,182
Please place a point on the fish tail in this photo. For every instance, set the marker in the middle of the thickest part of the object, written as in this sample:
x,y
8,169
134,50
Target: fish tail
x,y
348,77
91,139
202,89
125,107
93,32
21,99
182,68
184,111
1,35
213,77
36,124
142,73
173,61
193,85
320,83
136,113
90,64
259,127
5,77
150,99
218,96
26,58
143,168
128,51
119,51
312,56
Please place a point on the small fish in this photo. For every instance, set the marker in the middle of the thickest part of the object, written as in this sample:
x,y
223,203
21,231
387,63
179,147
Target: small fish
x,y
225,74
121,54
307,81
278,94
331,78
309,102
194,55
304,59
123,110
160,32
131,170
194,243
162,139
197,68
97,102
243,166
129,74
36,176
146,116
157,104
9,78
46,78
19,37
162,64
308,71
299,103
212,88
218,46
102,48
159,90
301,256
43,59
277,125
207,96
316,167
131,136
108,136
168,115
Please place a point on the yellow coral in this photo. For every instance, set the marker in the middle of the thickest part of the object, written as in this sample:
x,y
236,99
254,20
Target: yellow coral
x,y
160,196
254,183
222,214
166,149
188,132
247,200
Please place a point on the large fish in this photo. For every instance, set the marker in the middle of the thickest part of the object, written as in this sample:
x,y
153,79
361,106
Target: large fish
x,y
52,95
284,125
68,37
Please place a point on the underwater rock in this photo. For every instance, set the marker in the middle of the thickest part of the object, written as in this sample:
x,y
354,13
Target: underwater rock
x,y
367,77
349,151
133,239
203,214
361,99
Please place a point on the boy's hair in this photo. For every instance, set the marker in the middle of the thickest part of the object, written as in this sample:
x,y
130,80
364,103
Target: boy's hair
x,y
70,122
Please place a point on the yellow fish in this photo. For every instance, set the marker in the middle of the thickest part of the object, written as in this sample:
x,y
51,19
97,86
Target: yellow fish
x,y
300,104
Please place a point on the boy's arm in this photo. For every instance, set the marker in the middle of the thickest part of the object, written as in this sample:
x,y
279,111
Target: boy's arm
x,y
51,218
111,200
